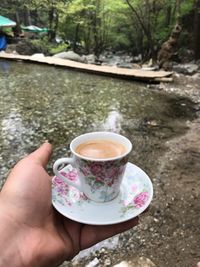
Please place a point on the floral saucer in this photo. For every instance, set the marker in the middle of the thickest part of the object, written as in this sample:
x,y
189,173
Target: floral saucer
x,y
135,196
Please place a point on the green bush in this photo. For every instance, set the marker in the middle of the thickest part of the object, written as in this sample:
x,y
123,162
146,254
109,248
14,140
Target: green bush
x,y
49,48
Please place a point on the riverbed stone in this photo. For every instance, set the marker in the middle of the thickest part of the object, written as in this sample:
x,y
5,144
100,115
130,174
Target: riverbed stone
x,y
139,262
91,58
71,56
187,69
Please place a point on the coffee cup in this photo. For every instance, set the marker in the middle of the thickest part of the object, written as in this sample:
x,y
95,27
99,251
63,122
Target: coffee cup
x,y
100,159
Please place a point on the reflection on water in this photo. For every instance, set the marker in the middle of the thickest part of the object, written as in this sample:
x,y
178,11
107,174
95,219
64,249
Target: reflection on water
x,y
13,128
113,120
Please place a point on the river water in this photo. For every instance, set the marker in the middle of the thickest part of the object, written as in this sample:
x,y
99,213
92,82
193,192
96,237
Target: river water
x,y
40,102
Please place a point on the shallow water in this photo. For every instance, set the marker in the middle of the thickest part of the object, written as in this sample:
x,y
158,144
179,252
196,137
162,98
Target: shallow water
x,y
40,103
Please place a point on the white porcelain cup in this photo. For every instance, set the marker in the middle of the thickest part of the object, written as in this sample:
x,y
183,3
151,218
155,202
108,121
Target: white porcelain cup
x,y
99,179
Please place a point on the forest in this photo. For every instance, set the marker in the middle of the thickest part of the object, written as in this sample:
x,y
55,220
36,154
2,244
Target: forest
x,y
139,27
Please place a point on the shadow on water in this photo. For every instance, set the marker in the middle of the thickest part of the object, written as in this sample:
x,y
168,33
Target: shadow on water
x,y
45,103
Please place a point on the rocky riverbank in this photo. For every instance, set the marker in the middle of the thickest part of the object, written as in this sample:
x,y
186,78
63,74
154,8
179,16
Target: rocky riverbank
x,y
168,234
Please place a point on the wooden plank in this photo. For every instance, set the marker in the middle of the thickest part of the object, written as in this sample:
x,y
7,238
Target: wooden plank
x,y
136,74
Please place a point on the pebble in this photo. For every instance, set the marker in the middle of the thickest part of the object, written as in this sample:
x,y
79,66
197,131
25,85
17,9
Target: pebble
x,y
140,262
122,264
107,262
93,263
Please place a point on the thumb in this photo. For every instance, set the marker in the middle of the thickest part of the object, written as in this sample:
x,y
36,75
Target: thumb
x,y
42,154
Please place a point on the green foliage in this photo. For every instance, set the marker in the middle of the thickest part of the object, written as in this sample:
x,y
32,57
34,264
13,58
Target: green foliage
x,y
44,45
55,49
135,25
186,7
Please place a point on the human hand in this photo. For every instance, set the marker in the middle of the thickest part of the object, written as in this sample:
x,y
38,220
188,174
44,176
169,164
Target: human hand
x,y
32,232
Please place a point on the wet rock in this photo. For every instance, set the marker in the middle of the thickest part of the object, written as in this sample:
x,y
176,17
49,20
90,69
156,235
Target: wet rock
x,y
122,264
187,69
125,65
91,59
38,55
71,56
147,68
93,263
26,47
137,59
141,262
107,262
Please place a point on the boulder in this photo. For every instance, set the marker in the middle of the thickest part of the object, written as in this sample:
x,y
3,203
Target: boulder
x,y
137,59
38,55
125,65
91,59
26,47
187,69
71,56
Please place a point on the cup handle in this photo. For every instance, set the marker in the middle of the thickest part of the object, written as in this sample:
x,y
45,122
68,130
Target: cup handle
x,y
56,166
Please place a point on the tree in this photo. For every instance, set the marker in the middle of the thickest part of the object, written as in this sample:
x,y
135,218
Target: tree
x,y
196,29
146,13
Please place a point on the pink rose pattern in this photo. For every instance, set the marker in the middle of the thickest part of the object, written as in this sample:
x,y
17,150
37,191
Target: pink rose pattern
x,y
102,173
71,175
64,197
63,190
140,199
137,202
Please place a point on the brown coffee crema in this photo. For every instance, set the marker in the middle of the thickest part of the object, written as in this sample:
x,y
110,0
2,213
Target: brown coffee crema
x,y
100,149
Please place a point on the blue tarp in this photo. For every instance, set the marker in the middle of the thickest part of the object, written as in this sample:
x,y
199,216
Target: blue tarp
x,y
3,42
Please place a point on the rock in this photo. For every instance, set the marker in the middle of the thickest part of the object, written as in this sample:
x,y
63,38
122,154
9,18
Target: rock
x,y
38,55
187,69
11,48
93,263
139,262
26,47
137,59
91,59
145,67
145,262
150,66
71,56
107,262
125,65
198,62
122,264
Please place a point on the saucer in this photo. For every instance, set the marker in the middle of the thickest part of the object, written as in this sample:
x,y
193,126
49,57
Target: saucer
x,y
135,196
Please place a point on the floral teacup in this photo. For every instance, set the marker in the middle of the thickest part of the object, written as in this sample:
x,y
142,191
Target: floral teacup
x,y
99,179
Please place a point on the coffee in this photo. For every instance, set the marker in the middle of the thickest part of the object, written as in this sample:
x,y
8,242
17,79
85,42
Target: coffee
x,y
100,149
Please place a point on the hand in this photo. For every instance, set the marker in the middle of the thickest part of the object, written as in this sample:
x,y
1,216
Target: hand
x,y
32,232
